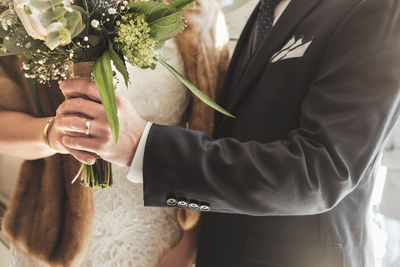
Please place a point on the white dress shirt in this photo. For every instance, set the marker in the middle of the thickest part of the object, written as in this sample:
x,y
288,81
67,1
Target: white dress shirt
x,y
135,173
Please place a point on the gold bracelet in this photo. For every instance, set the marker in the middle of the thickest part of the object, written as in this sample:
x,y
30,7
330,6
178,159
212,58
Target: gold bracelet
x,y
46,130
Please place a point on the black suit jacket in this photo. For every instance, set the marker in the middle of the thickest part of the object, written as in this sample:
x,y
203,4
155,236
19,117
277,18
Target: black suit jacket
x,y
289,180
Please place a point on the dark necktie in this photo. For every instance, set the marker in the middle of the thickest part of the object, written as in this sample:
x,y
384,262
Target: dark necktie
x,y
264,21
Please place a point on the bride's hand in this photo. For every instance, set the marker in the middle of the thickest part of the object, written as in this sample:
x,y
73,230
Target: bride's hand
x,y
76,112
58,131
55,136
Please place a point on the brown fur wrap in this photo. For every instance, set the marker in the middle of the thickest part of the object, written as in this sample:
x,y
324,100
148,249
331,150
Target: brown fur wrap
x,y
48,218
204,49
51,219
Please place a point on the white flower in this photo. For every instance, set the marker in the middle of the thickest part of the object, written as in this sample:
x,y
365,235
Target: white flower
x,y
112,11
31,22
95,23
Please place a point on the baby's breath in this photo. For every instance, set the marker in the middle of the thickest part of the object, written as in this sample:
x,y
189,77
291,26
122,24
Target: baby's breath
x,y
45,65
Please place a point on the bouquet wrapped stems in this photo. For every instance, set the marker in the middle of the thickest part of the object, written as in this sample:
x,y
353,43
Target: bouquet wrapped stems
x,y
97,175
100,173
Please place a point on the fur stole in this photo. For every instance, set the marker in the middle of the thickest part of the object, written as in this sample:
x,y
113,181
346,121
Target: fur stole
x,y
205,52
51,219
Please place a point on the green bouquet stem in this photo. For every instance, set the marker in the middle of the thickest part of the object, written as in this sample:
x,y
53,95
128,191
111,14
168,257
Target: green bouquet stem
x,y
98,175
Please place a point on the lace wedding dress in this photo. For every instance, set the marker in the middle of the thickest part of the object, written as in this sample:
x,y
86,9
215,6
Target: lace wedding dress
x,y
125,233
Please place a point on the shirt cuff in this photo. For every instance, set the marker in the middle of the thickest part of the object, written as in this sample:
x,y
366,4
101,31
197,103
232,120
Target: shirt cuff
x,y
135,174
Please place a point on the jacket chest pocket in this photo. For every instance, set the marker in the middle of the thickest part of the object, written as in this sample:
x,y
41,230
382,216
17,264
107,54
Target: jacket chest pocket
x,y
287,71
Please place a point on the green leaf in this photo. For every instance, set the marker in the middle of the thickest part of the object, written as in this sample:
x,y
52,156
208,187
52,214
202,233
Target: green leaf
x,y
64,36
167,27
52,40
164,20
149,8
152,10
40,4
19,37
55,26
3,33
56,2
55,13
179,4
160,13
194,89
74,23
103,77
119,63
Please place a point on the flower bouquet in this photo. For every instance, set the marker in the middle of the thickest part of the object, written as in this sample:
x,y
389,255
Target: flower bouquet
x,y
64,39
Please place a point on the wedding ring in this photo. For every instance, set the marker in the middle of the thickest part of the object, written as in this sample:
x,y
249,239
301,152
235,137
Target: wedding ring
x,y
87,130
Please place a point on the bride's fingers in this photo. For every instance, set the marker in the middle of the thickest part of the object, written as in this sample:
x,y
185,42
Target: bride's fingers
x,y
82,156
82,106
77,88
86,144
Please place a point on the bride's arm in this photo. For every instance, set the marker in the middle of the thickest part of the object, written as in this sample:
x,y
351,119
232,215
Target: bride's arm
x,y
21,136
184,253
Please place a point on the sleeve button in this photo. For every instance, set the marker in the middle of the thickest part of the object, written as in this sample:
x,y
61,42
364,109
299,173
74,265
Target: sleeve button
x,y
204,208
194,206
182,204
171,202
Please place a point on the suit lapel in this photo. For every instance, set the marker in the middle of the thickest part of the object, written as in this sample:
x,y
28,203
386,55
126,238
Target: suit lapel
x,y
243,39
244,36
280,33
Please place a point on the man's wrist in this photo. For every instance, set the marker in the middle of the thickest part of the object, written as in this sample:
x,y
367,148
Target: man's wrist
x,y
136,168
136,143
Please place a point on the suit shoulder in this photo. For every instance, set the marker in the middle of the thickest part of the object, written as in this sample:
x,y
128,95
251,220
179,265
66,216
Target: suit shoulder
x,y
378,10
367,18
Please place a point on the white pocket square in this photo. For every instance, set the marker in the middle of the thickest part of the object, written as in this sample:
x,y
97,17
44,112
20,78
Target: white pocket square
x,y
292,49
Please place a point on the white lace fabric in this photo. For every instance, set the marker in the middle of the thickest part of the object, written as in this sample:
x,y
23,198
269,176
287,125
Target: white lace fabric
x,y
125,233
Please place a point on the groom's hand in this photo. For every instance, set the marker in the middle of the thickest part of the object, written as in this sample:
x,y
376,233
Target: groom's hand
x,y
83,103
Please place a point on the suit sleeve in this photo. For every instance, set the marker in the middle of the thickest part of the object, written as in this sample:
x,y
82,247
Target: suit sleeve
x,y
345,118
